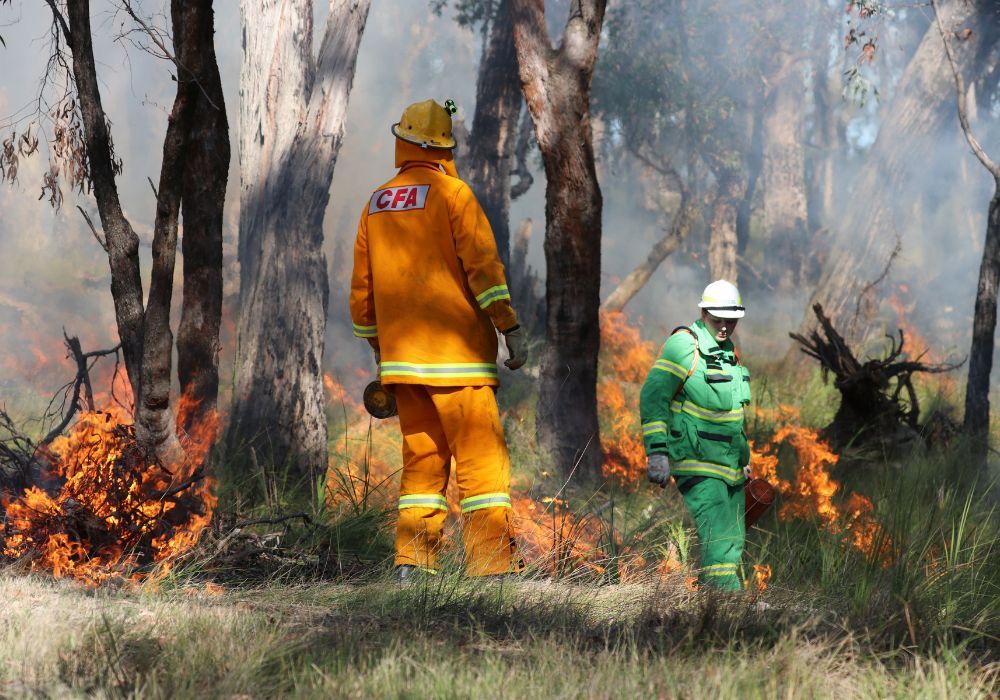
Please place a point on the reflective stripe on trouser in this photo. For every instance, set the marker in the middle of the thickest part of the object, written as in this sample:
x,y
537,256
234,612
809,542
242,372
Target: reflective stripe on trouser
x,y
438,423
718,512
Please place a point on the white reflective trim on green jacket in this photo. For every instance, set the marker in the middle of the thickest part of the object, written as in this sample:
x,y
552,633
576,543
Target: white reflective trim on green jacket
x,y
423,500
485,500
491,295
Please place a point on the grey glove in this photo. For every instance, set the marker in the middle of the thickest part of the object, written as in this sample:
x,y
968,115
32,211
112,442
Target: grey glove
x,y
658,469
516,348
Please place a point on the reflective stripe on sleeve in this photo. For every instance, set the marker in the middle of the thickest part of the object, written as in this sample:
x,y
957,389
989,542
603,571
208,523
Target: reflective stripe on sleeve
x,y
486,500
653,427
365,331
458,370
671,368
492,294
423,500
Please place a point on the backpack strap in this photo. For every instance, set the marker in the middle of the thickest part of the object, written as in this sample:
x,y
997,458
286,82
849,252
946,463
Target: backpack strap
x,y
697,356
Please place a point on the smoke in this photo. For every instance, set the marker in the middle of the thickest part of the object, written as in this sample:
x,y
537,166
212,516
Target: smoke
x,y
54,275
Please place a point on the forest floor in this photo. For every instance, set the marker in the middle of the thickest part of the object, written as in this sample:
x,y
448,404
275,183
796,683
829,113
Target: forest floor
x,y
450,638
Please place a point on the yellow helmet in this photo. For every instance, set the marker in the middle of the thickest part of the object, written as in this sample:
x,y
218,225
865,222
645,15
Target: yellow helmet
x,y
426,124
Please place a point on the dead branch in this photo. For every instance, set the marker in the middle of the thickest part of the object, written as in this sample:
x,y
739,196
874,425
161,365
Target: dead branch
x,y
872,391
80,382
963,112
93,229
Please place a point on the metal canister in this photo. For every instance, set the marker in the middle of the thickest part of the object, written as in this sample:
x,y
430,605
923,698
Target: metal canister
x,y
759,497
378,401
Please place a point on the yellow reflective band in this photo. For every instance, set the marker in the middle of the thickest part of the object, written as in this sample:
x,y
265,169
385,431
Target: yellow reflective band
x,y
691,467
720,570
458,370
423,500
712,416
365,331
492,294
654,427
486,500
671,368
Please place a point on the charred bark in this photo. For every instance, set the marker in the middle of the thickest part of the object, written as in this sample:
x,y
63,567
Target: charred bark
x,y
494,128
878,404
121,240
292,117
977,392
977,401
205,177
556,84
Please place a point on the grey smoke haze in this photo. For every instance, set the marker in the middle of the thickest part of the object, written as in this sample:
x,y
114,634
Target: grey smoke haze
x,y
53,274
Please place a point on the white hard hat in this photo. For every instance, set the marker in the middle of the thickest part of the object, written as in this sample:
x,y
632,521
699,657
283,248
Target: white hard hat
x,y
723,300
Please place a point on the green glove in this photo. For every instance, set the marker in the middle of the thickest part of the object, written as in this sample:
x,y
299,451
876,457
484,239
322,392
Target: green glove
x,y
515,348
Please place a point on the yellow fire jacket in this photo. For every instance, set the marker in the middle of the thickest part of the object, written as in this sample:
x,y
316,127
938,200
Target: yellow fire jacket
x,y
428,286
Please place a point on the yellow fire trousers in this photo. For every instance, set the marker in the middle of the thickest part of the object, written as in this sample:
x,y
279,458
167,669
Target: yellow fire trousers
x,y
439,423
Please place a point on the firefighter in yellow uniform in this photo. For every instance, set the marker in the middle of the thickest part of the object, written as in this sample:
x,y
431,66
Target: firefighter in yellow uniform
x,y
427,292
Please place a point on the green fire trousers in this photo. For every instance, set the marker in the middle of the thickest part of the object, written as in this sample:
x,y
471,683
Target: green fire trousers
x,y
718,512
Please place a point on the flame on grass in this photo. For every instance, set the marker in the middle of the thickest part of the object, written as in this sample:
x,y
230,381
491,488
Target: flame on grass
x,y
625,360
812,493
116,510
761,577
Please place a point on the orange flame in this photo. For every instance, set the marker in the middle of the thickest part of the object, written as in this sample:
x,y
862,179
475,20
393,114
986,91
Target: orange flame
x,y
116,509
625,359
810,495
761,576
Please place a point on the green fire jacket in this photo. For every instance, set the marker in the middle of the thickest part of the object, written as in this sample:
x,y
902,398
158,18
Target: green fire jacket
x,y
700,427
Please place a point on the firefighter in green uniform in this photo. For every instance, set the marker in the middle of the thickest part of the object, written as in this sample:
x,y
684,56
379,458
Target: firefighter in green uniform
x,y
692,411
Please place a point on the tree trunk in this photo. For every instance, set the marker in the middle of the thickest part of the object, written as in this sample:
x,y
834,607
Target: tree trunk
x,y
122,242
206,174
784,195
977,391
822,175
494,128
291,127
722,241
556,85
866,238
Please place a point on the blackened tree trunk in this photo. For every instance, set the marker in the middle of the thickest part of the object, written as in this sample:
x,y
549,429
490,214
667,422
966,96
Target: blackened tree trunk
x,y
494,128
206,174
147,339
292,116
120,238
977,390
984,322
556,84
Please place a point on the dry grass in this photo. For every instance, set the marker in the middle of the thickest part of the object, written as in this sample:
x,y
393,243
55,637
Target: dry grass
x,y
449,638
